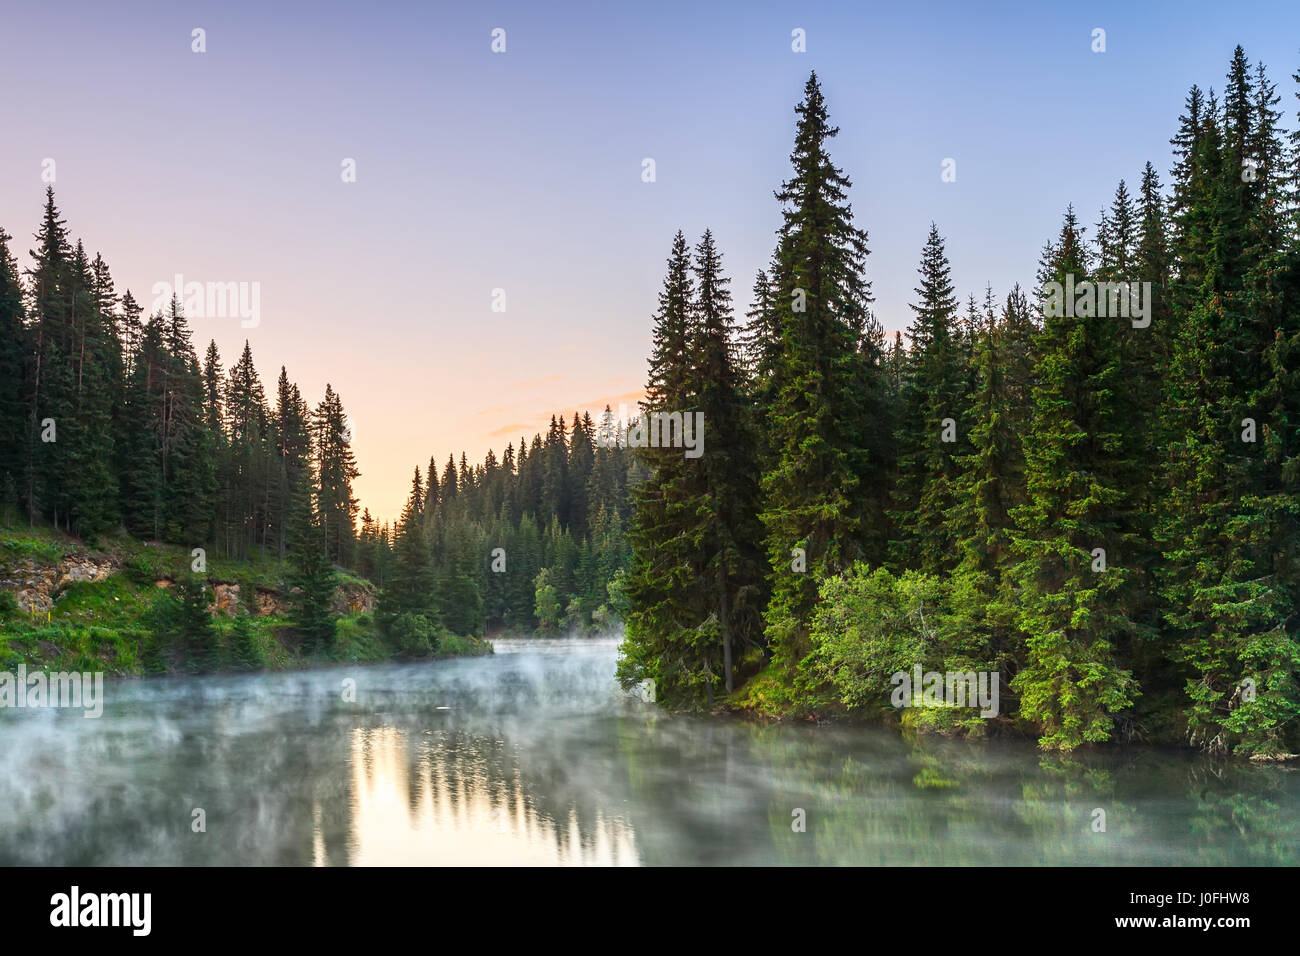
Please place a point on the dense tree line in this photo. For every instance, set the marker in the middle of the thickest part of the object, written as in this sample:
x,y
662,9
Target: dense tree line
x,y
1102,508
532,542
110,422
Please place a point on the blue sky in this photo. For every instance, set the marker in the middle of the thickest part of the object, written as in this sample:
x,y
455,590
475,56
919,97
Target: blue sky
x,y
522,170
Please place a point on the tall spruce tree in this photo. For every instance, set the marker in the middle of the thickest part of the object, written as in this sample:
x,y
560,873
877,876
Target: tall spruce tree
x,y
990,486
311,572
663,642
930,438
732,565
1072,584
14,348
336,466
1227,576
815,486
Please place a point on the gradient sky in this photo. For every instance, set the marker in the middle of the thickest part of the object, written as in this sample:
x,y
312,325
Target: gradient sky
x,y
522,170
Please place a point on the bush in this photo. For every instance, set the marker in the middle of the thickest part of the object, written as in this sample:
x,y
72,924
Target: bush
x,y
245,649
143,568
453,645
180,622
603,620
869,625
547,604
355,639
414,635
8,605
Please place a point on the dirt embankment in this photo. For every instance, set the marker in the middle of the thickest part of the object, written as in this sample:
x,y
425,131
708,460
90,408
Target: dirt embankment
x,y
37,583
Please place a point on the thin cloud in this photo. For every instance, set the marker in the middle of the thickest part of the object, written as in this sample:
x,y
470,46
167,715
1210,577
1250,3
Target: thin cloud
x,y
514,429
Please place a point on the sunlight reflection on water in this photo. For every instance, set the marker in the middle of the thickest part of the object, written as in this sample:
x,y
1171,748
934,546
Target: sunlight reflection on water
x,y
534,756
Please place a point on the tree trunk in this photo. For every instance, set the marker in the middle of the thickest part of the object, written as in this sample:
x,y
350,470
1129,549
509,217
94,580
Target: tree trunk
x,y
724,620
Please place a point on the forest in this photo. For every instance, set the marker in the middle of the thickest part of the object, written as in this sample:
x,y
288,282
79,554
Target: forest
x,y
1087,485
1096,506
110,424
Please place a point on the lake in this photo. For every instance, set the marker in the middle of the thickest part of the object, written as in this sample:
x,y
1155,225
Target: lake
x,y
534,756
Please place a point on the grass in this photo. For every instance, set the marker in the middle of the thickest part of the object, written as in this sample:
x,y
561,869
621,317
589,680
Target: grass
x,y
104,625
37,544
60,646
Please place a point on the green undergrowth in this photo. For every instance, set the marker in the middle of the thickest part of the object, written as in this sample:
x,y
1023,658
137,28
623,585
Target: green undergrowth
x,y
108,625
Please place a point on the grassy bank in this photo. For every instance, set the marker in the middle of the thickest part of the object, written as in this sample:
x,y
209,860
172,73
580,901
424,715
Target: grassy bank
x,y
111,624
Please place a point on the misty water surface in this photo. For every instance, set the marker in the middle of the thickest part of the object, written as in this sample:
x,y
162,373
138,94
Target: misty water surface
x,y
534,756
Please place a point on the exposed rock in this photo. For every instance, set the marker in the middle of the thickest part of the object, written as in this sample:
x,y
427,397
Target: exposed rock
x,y
83,569
37,585
34,601
350,598
269,602
225,599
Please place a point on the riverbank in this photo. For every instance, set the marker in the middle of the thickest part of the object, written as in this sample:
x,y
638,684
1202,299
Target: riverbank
x,y
767,697
70,605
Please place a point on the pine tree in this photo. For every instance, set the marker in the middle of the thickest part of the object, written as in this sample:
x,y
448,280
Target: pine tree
x,y
184,449
662,641
245,651
1072,608
582,454
411,586
814,491
312,573
1226,575
729,534
247,479
188,627
13,356
460,575
991,485
291,446
91,484
50,381
336,466
696,596
929,439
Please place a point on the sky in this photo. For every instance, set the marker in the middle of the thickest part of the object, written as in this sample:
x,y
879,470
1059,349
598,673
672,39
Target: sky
x,y
522,170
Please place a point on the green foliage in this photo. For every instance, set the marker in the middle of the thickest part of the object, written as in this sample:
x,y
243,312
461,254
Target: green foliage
x,y
695,593
182,631
548,611
415,635
454,645
125,624
312,577
870,625
244,649
468,547
1113,529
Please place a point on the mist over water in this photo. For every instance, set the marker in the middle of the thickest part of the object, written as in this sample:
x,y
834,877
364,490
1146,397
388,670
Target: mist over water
x,y
535,756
